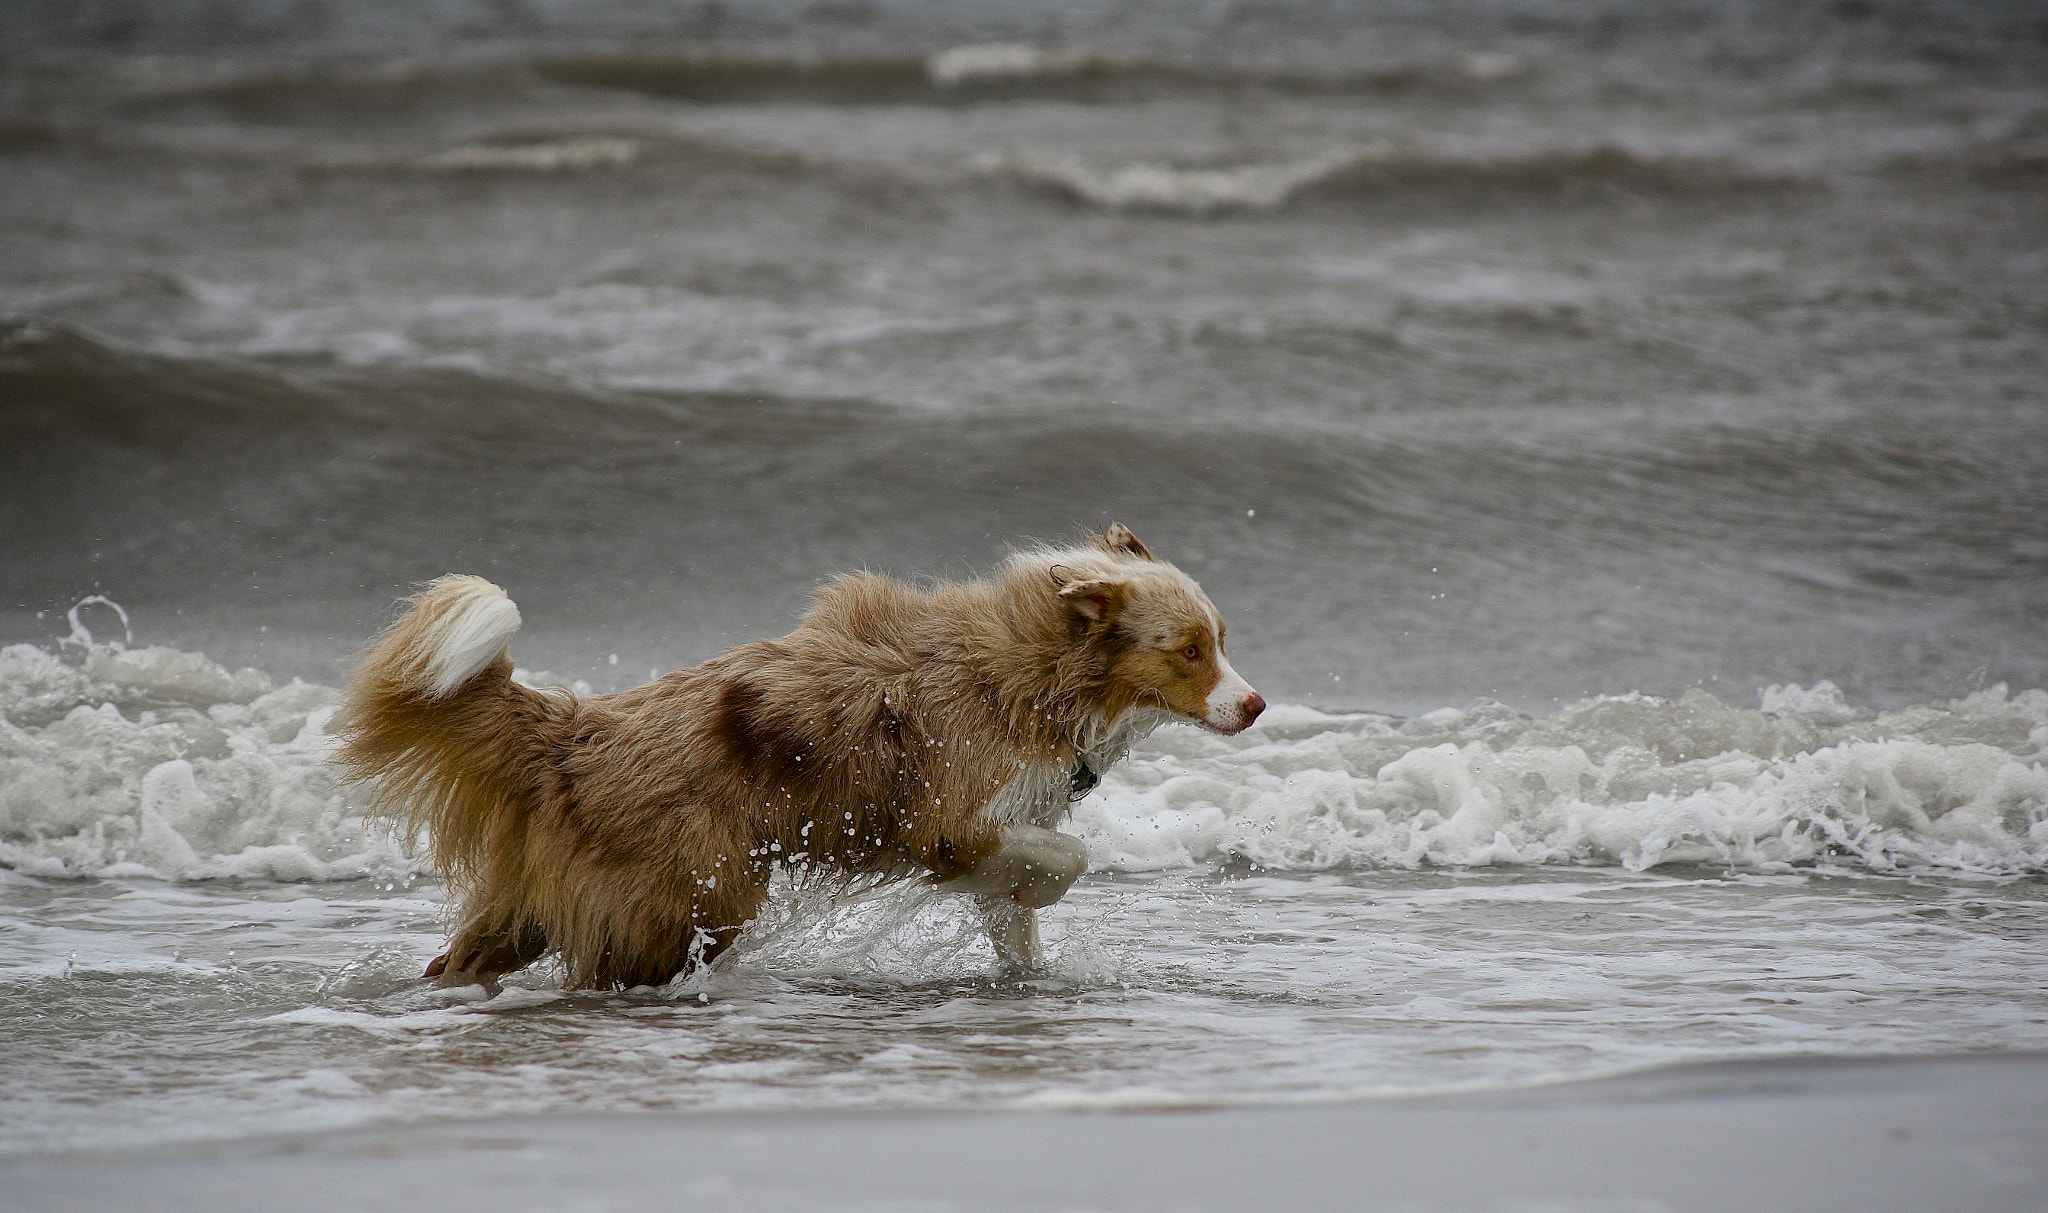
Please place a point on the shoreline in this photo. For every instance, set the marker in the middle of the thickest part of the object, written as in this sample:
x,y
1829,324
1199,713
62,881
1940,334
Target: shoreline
x,y
1957,1132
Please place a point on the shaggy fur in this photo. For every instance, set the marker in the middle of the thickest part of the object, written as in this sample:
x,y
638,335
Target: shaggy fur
x,y
899,730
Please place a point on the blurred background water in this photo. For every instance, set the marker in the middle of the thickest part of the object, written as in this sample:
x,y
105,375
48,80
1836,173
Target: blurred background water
x,y
1478,349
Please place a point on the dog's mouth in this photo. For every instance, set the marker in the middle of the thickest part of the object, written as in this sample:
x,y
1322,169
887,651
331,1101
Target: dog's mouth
x,y
1245,712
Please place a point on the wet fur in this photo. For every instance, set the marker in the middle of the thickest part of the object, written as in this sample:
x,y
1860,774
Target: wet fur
x,y
898,731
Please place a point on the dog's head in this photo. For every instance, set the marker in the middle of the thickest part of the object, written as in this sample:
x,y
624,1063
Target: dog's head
x,y
1160,638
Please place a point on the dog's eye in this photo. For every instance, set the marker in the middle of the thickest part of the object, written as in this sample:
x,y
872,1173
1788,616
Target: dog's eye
x,y
1193,652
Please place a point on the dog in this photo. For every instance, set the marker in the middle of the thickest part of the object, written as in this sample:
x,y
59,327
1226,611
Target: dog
x,y
938,731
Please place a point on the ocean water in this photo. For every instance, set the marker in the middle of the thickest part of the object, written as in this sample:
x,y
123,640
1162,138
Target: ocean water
x,y
1617,434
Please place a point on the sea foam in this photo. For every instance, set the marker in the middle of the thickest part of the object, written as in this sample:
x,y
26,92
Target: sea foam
x,y
156,762
1005,61
1629,780
1193,190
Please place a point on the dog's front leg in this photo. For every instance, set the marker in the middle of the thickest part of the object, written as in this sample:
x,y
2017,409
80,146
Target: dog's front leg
x,y
1033,868
1013,929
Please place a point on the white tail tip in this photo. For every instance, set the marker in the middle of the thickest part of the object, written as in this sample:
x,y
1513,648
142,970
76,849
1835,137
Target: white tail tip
x,y
473,628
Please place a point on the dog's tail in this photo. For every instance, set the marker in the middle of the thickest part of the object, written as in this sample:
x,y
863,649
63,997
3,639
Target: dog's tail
x,y
434,724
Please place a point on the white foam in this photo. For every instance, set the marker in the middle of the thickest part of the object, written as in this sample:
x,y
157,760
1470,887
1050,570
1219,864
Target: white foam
x,y
161,763
1166,187
152,763
1628,780
555,156
176,675
1002,61
1823,701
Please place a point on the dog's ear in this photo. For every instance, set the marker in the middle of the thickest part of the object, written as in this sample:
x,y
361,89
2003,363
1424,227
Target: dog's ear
x,y
1094,599
1118,539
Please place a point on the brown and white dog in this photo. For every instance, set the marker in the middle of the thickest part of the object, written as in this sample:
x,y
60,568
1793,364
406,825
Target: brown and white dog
x,y
939,730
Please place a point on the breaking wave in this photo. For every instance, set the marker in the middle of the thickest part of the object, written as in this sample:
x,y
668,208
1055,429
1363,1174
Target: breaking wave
x,y
155,762
1631,780
1193,190
1141,186
1161,186
1203,189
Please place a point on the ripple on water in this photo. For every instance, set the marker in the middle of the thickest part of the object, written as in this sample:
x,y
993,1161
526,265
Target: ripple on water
x,y
183,1011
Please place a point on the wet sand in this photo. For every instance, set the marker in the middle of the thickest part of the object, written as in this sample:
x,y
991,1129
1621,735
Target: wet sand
x,y
1954,1133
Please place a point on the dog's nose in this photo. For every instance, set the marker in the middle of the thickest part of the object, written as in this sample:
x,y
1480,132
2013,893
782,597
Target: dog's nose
x,y
1254,703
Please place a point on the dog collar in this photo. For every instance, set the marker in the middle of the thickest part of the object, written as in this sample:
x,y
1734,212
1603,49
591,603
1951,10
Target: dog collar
x,y
1083,780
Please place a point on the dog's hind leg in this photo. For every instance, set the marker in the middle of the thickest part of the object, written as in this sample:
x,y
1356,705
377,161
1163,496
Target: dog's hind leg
x,y
479,954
